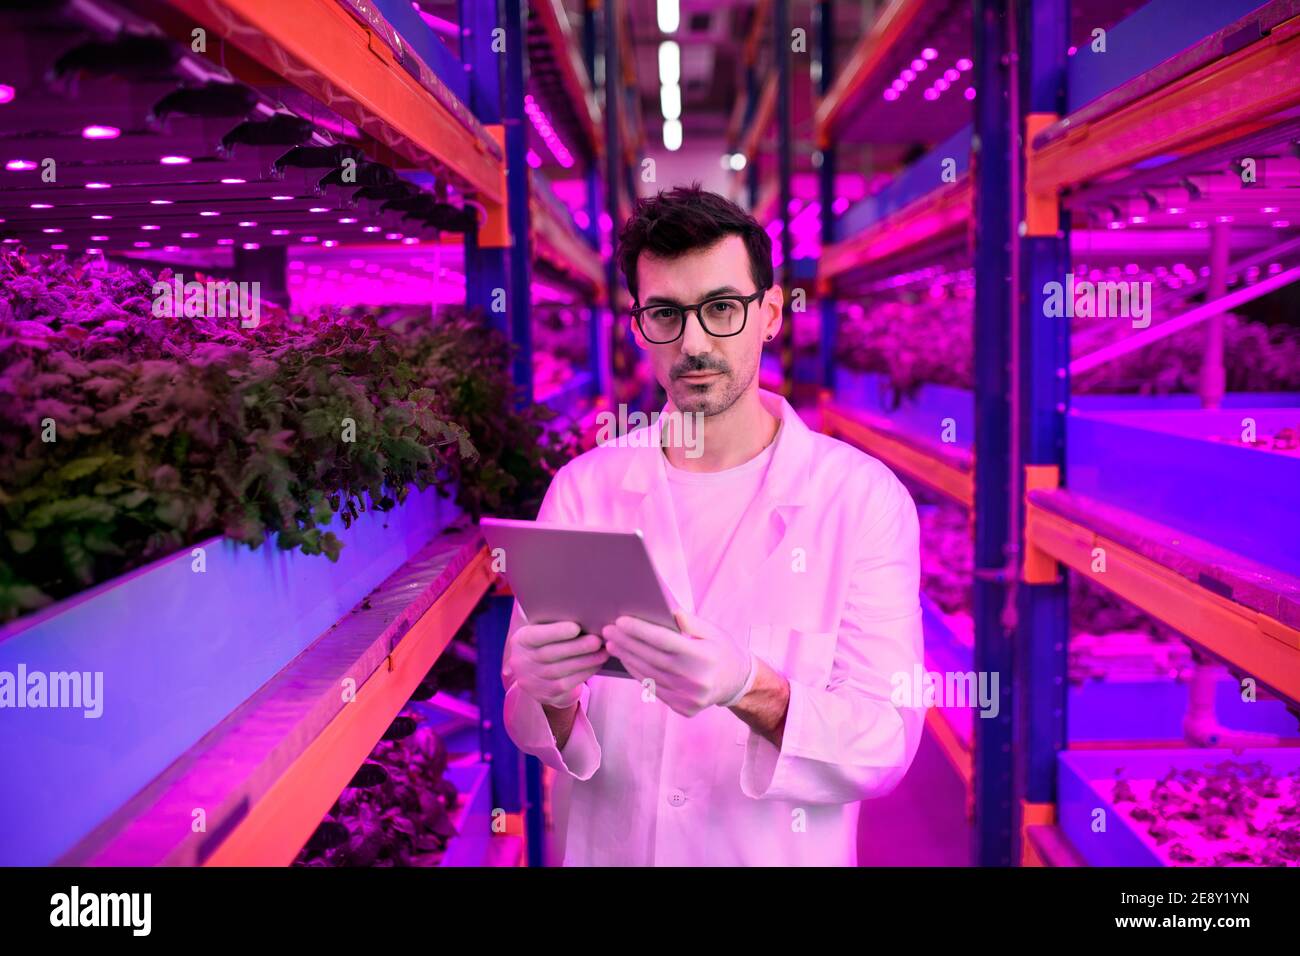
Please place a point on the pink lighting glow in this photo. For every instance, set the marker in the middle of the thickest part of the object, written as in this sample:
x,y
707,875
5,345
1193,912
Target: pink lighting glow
x,y
234,181
891,94
99,238
281,198
964,64
98,186
225,242
970,93
279,232
160,202
929,53
534,160
189,235
7,93
41,205
101,132
174,160
19,165
544,129
101,216
931,94
247,223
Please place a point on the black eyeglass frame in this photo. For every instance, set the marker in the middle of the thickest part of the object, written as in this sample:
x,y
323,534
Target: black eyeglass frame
x,y
696,307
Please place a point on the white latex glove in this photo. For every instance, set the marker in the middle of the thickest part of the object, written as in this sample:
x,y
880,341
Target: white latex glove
x,y
697,668
550,662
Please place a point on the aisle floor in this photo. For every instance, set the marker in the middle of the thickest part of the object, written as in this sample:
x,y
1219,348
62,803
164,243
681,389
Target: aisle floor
x,y
923,822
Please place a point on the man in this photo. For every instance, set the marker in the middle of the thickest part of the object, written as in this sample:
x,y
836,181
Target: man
x,y
750,737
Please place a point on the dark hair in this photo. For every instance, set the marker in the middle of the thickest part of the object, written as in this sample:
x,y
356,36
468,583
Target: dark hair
x,y
686,218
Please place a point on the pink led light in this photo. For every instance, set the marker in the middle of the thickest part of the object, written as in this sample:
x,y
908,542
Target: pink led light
x,y
547,132
951,75
929,53
534,160
7,93
1280,223
1175,210
141,245
964,64
330,243
410,241
891,94
1137,220
1268,209
1072,51
52,230
918,65
392,235
370,229
318,209
209,212
150,228
1198,224
99,238
174,160
41,205
898,86
941,84
308,238
1115,225
970,93
234,181
347,220
279,232
281,198
1223,219
101,132
248,223
251,245
225,242
59,245
908,75
19,165
160,202
101,216
95,252
189,235
931,94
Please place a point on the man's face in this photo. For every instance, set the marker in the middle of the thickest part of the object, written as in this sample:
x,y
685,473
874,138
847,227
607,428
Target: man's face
x,y
702,372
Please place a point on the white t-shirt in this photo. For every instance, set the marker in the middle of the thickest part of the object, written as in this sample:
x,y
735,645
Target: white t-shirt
x,y
708,507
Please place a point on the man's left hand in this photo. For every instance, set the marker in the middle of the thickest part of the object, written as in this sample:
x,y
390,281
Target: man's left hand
x,y
697,668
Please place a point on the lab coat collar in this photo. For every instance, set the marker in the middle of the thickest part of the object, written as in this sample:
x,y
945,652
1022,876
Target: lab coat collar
x,y
787,478
785,488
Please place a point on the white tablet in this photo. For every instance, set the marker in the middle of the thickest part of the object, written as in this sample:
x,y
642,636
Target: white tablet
x,y
560,573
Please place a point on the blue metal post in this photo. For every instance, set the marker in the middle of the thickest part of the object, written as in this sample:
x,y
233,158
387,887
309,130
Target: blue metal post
x,y
994,784
751,107
785,177
1044,394
518,292
485,268
824,12
599,374
613,179
506,762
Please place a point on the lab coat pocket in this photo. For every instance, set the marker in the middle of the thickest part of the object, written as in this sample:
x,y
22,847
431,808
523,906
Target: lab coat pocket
x,y
803,656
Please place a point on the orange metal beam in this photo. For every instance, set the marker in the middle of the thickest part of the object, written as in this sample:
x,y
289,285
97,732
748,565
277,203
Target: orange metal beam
x,y
319,47
573,72
277,826
560,245
1223,101
947,209
866,59
928,469
1256,643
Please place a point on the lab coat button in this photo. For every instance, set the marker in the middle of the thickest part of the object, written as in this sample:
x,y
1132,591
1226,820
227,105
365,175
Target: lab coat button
x,y
676,798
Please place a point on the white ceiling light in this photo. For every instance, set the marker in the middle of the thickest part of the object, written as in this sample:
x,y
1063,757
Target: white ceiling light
x,y
670,63
670,101
669,15
672,135
737,161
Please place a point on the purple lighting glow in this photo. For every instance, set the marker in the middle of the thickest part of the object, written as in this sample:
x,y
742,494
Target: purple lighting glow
x,y
101,132
547,132
7,93
174,160
19,165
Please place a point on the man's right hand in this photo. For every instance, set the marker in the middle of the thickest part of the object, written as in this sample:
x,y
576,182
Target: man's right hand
x,y
551,662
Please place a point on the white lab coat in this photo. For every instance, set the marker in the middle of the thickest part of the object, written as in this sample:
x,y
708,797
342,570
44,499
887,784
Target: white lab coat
x,y
822,581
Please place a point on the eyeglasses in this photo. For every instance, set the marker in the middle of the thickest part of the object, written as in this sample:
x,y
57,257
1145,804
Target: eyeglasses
x,y
720,316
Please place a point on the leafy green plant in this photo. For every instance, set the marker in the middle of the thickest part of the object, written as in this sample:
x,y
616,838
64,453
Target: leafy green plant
x,y
125,436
